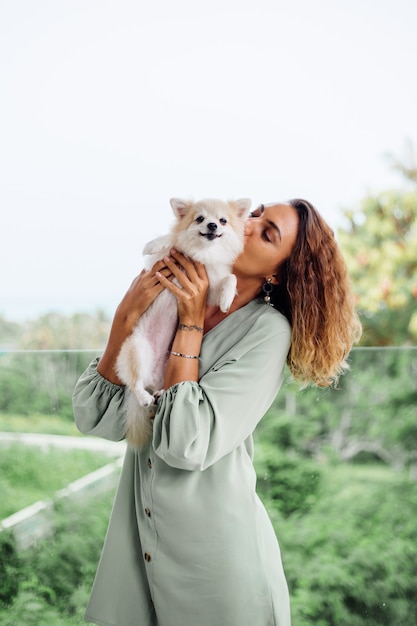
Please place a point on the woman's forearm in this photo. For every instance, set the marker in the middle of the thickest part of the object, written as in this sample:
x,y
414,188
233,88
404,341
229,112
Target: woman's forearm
x,y
183,360
191,293
107,363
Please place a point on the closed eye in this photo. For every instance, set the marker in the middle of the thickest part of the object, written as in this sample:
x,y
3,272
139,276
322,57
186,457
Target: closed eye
x,y
265,235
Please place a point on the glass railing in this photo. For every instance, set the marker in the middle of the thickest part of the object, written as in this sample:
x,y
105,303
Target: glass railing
x,y
336,470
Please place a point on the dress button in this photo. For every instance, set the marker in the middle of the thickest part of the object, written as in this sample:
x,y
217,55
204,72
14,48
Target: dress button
x,y
148,512
147,557
149,463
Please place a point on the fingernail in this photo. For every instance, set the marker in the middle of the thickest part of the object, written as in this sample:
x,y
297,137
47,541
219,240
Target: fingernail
x,y
173,251
167,259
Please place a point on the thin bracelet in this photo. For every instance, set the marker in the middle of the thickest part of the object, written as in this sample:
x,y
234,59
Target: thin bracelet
x,y
192,327
185,356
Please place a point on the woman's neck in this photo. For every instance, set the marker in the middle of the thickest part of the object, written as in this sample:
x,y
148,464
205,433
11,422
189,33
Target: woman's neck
x,y
245,293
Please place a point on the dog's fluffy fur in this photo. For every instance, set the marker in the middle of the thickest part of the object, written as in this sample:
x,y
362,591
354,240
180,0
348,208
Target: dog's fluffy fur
x,y
211,232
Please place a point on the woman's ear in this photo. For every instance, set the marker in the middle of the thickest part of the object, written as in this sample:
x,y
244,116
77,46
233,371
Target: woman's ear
x,y
275,279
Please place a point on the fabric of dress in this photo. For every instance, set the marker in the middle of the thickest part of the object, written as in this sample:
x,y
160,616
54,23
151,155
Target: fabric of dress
x,y
189,543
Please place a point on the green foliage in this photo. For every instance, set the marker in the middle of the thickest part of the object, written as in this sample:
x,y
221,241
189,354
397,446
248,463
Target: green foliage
x,y
352,560
68,558
55,578
379,243
349,549
9,567
40,382
285,480
31,609
39,423
371,416
375,410
26,476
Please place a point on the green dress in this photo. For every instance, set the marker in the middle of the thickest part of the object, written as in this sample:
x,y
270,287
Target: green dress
x,y
189,543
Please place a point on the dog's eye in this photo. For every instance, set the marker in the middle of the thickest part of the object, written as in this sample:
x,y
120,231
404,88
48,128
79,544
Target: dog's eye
x,y
199,219
223,221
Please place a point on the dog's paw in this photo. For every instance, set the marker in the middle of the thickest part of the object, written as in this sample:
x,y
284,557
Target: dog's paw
x,y
150,411
227,293
144,397
226,298
225,305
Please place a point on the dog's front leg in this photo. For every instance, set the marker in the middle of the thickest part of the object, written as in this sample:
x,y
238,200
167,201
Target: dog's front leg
x,y
227,292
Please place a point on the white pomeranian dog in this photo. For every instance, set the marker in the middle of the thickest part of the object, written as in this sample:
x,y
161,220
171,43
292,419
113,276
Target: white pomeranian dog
x,y
210,232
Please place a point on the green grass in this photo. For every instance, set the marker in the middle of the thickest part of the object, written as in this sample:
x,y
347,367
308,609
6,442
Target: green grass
x,y
37,423
28,474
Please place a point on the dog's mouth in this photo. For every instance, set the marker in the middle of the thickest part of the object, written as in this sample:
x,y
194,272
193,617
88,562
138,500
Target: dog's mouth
x,y
210,236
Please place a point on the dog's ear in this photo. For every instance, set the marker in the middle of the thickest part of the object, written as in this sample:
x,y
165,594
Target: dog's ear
x,y
242,206
180,207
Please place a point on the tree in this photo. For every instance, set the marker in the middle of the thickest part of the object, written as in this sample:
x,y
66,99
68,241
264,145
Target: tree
x,y
379,242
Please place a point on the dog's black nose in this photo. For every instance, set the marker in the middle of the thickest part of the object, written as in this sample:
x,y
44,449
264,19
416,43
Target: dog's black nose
x,y
212,227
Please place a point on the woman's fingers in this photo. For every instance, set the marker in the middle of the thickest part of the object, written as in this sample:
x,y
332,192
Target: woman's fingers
x,y
147,279
166,282
143,291
193,269
165,272
187,272
185,278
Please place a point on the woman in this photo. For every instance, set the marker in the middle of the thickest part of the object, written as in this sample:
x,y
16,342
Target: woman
x,y
189,542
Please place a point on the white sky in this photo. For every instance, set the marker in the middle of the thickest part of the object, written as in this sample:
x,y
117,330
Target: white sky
x,y
110,107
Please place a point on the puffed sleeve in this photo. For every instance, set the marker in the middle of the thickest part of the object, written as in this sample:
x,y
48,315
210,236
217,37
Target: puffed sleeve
x,y
197,424
98,405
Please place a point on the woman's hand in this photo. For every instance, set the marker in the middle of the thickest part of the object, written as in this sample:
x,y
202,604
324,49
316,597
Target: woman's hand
x,y
192,288
140,295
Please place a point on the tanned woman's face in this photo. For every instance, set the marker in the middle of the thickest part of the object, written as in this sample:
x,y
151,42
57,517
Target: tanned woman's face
x,y
270,235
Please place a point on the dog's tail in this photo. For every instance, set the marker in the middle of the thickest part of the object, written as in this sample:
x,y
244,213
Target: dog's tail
x,y
139,422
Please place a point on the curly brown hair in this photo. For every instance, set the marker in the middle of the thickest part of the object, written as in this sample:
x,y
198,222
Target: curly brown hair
x,y
315,295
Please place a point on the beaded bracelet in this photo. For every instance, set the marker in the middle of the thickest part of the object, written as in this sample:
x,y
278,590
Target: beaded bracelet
x,y
185,356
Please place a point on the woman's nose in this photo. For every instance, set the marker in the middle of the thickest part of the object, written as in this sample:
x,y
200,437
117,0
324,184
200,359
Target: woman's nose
x,y
248,226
